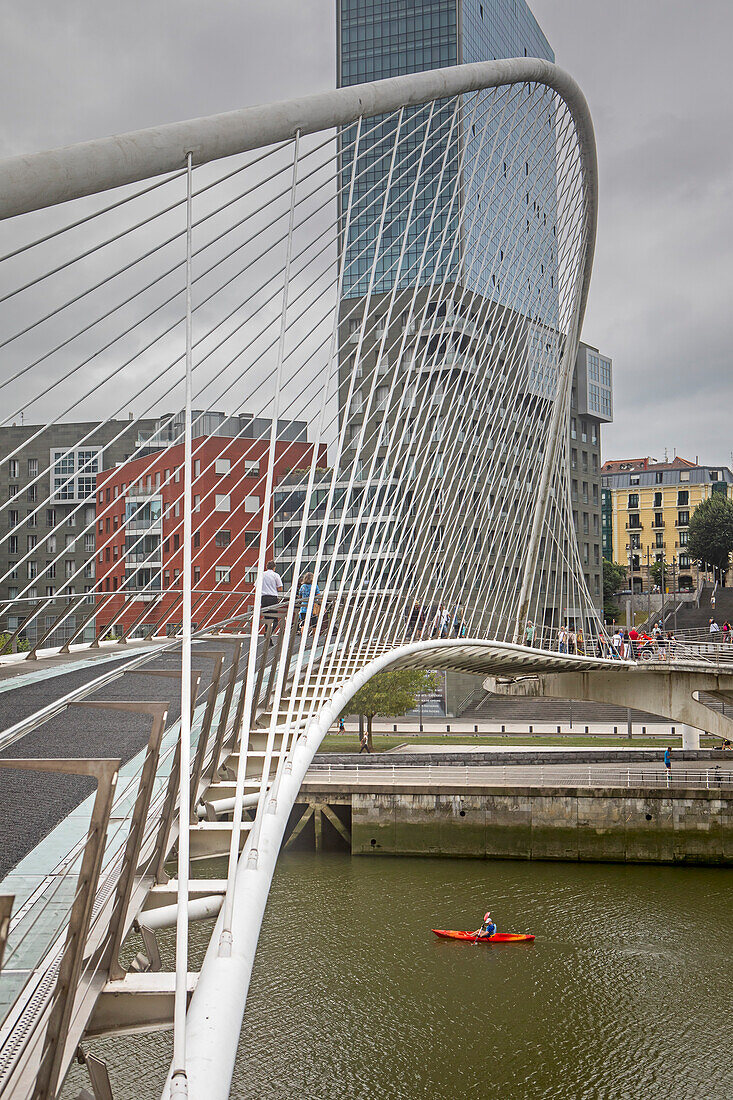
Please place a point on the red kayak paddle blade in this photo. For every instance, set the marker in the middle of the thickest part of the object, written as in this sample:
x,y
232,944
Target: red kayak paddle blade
x,y
498,937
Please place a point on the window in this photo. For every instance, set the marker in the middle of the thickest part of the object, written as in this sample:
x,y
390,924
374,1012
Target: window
x,y
176,542
251,504
683,518
31,541
32,467
222,503
32,570
251,538
660,540
196,539
12,593
68,569
659,519
634,479
223,574
684,561
71,519
658,477
13,468
32,520
683,498
657,500
196,503
13,544
197,467
250,576
32,494
222,538
69,542
12,518
12,491
251,468
633,500
222,466
684,475
50,517
196,574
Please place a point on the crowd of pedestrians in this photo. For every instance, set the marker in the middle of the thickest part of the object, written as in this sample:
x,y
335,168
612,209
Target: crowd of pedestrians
x,y
434,621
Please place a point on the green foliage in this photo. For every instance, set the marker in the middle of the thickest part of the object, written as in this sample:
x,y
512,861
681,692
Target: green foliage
x,y
660,572
711,533
614,578
23,644
392,693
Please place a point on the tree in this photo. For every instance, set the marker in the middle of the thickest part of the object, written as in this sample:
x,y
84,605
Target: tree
x,y
614,578
659,571
711,534
391,693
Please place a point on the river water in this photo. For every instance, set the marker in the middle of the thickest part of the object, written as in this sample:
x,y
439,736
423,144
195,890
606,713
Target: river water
x,y
626,992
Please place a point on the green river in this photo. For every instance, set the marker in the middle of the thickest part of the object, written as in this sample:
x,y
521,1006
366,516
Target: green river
x,y
626,992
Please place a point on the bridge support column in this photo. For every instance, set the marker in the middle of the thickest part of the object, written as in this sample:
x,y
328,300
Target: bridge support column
x,y
690,736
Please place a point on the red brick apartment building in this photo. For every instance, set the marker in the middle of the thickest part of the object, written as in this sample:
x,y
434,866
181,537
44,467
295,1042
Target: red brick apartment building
x,y
139,531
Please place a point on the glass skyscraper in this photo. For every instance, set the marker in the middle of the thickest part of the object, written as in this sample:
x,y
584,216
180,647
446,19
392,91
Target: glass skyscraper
x,y
384,38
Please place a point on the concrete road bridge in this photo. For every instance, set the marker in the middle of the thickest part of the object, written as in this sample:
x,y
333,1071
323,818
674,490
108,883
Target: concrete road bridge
x,y
384,287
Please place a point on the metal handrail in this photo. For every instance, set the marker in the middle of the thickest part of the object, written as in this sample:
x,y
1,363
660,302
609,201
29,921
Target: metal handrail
x,y
461,775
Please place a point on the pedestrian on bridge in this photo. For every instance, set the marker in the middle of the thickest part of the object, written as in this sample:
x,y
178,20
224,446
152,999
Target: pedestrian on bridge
x,y
272,586
668,762
714,630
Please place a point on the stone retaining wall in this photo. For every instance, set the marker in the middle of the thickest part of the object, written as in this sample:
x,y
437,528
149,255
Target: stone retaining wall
x,y
690,826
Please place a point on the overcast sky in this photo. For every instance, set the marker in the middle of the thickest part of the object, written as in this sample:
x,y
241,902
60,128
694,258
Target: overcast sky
x,y
655,73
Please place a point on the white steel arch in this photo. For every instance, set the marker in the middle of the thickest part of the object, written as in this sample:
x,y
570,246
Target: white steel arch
x,y
386,287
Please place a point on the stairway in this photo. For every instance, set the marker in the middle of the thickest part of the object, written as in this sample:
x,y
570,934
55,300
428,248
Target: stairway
x,y
690,617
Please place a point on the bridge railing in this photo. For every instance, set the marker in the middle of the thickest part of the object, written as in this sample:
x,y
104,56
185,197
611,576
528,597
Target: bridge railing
x,y
515,775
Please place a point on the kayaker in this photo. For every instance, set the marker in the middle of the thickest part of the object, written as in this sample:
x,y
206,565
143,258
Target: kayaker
x,y
487,929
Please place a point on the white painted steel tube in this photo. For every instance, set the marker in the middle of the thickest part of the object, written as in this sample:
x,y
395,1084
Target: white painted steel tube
x,y
226,805
36,180
165,915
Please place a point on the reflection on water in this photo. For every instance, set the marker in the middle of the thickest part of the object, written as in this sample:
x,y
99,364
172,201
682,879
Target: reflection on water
x,y
625,993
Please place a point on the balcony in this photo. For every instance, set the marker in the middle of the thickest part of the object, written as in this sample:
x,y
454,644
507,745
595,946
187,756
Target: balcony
x,y
657,526
634,526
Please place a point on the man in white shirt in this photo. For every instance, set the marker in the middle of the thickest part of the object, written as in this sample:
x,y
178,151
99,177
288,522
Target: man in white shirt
x,y
272,586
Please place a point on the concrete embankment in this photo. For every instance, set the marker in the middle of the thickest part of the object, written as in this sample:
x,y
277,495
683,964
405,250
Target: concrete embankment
x,y
688,824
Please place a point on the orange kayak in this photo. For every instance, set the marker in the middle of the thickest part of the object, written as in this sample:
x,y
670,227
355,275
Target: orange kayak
x,y
498,937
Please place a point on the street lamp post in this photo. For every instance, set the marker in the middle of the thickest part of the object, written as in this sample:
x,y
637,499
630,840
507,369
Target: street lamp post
x,y
674,590
648,585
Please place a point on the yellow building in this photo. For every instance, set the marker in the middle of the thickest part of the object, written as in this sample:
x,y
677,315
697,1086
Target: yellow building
x,y
650,506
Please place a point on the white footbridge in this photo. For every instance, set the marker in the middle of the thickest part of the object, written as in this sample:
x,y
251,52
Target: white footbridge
x,y
383,287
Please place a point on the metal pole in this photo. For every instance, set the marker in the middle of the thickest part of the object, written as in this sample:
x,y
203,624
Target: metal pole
x,y
648,585
179,1081
674,590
